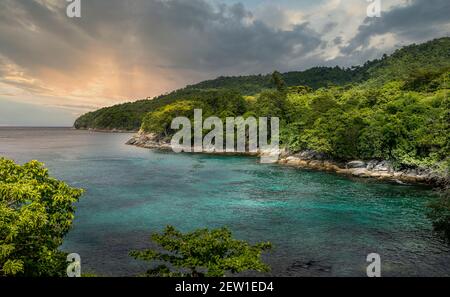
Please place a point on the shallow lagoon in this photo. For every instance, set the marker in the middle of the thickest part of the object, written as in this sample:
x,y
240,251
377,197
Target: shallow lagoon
x,y
321,224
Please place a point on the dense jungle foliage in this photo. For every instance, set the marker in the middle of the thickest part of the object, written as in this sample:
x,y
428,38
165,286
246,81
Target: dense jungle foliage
x,y
36,212
394,108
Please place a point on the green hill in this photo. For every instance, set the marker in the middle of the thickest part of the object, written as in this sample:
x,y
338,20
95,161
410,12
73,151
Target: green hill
x,y
393,108
128,116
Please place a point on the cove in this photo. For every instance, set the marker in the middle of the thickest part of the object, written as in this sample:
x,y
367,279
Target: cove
x,y
320,224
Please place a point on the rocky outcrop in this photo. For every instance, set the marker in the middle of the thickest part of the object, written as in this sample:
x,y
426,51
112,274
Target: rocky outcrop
x,y
382,170
308,159
356,164
149,140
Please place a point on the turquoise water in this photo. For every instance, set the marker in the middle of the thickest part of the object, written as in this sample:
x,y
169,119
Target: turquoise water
x,y
320,224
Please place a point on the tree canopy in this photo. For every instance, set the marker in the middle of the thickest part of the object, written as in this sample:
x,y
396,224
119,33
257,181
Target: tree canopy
x,y
36,211
393,108
203,252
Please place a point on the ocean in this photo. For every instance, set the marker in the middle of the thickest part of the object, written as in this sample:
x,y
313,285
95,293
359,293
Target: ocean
x,y
320,224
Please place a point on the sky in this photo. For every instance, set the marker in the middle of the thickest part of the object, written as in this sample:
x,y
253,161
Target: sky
x,y
54,68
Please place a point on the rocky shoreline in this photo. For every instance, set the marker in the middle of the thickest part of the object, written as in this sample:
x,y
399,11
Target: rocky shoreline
x,y
376,169
381,170
107,130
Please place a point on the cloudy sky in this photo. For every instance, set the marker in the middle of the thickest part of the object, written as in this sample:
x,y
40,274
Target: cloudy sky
x,y
54,68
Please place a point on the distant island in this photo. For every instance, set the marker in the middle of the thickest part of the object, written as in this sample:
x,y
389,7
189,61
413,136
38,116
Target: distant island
x,y
388,118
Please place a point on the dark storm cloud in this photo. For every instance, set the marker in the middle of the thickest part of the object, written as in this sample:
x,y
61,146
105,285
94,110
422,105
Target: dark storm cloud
x,y
420,20
185,41
191,35
121,49
180,34
194,35
31,35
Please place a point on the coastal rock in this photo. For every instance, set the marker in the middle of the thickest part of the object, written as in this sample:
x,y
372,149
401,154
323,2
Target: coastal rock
x,y
343,171
316,164
132,141
374,174
371,164
356,164
302,163
310,159
411,172
292,160
383,166
148,140
312,155
399,174
361,172
284,153
282,161
330,166
385,175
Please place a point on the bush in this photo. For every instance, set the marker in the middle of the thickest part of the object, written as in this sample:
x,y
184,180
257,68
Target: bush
x,y
36,211
203,252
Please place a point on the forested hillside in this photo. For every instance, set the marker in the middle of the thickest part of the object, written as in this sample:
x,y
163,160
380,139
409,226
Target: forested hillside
x,y
128,116
395,108
415,64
